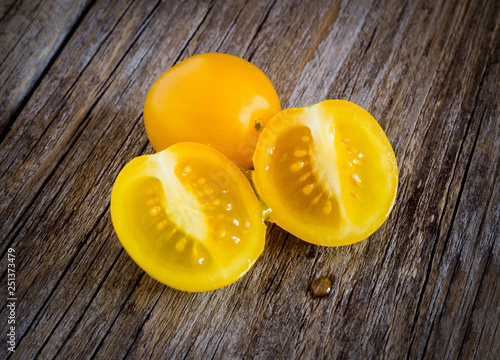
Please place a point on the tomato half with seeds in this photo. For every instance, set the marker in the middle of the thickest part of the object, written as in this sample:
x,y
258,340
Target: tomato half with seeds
x,y
327,172
215,99
188,217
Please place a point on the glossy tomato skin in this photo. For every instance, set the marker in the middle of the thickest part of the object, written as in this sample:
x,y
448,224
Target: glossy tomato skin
x,y
327,172
215,99
188,217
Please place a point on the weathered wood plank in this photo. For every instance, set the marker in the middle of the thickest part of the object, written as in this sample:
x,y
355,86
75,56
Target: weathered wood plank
x,y
79,141
423,286
31,33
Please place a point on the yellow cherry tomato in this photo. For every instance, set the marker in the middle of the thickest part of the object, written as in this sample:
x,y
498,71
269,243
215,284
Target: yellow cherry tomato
x,y
327,172
215,99
188,217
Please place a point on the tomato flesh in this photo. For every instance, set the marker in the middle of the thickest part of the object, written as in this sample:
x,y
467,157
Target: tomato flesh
x,y
327,172
188,217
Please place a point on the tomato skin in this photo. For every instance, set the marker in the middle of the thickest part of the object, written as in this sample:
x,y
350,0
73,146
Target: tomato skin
x,y
214,99
188,217
327,172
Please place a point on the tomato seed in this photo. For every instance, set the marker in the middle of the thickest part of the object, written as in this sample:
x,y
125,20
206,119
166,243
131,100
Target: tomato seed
x,y
300,153
179,246
303,177
161,225
327,208
296,166
154,211
355,177
308,189
316,199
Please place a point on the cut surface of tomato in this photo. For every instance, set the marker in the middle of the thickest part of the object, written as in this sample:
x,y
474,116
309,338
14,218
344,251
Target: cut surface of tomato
x,y
215,99
188,217
327,172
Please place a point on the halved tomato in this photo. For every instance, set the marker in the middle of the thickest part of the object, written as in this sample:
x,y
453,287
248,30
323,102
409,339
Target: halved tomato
x,y
327,172
188,217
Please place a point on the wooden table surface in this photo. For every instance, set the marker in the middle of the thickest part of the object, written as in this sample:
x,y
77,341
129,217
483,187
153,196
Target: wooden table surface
x,y
74,76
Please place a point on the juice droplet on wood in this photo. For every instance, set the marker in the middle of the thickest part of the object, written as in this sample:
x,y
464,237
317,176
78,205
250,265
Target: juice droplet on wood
x,y
321,287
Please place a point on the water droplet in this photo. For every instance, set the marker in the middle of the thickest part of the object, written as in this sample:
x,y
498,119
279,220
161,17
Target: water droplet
x,y
354,195
345,140
321,287
352,150
202,181
355,162
216,202
236,222
360,155
306,138
208,191
246,225
186,171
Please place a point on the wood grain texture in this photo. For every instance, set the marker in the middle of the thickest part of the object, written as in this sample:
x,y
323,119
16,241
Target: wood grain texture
x,y
32,33
425,285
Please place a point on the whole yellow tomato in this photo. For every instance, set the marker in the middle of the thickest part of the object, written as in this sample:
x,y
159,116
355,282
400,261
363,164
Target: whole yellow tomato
x,y
216,99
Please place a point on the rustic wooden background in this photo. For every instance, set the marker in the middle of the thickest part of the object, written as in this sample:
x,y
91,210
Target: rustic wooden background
x,y
74,76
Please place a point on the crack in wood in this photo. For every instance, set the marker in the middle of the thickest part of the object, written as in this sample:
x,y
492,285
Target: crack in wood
x,y
259,28
4,129
445,207
82,315
231,26
68,308
134,288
